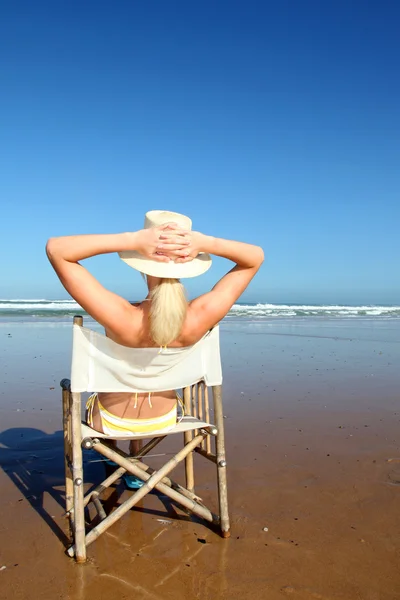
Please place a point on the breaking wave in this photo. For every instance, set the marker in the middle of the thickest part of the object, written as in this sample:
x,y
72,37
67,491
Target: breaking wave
x,y
67,308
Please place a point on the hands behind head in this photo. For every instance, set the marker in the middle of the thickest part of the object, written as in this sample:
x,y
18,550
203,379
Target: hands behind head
x,y
178,244
169,242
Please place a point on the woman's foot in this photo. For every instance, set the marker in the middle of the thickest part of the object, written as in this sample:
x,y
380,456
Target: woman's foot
x,y
132,482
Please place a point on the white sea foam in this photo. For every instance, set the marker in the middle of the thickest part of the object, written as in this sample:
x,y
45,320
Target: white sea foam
x,y
25,300
45,308
293,310
34,305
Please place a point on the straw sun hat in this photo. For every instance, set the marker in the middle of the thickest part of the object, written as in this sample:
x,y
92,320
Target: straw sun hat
x,y
197,266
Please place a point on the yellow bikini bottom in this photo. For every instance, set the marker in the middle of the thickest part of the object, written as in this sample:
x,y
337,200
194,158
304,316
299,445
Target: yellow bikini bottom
x,y
119,426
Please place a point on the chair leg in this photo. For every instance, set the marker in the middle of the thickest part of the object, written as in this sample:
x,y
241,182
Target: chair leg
x,y
66,403
187,437
77,467
150,482
221,462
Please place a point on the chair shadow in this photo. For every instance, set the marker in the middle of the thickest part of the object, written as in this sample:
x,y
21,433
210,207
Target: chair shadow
x,y
34,462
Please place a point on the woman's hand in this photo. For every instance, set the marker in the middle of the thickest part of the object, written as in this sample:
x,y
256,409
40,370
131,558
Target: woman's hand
x,y
170,242
163,243
198,243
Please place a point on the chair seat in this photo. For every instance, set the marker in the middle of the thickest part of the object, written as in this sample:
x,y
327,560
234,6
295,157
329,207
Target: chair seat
x,y
188,423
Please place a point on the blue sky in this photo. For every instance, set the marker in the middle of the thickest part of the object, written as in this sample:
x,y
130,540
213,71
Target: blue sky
x,y
276,123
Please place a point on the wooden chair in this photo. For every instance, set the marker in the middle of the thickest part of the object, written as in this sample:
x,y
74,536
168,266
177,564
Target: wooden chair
x,y
197,429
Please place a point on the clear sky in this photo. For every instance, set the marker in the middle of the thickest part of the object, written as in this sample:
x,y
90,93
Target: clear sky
x,y
271,122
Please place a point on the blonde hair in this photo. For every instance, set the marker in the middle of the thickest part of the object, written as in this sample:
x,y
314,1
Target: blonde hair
x,y
167,311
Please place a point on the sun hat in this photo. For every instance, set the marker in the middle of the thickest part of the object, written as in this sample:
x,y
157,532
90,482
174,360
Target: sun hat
x,y
148,266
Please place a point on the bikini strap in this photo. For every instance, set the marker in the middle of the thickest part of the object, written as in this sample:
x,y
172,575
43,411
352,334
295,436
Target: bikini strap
x,y
89,408
179,399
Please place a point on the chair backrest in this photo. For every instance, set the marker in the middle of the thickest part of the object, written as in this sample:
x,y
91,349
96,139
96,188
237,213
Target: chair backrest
x,y
101,365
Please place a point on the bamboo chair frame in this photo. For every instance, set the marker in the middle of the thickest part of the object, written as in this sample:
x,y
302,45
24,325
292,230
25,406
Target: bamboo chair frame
x,y
197,439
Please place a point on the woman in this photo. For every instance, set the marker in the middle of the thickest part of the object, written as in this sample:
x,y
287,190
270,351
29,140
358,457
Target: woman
x,y
164,250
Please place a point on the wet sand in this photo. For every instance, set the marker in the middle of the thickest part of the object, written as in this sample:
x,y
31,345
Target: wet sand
x,y
312,421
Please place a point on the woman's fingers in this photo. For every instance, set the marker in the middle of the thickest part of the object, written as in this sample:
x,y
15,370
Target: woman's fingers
x,y
166,248
184,260
182,252
176,256
175,240
179,234
161,257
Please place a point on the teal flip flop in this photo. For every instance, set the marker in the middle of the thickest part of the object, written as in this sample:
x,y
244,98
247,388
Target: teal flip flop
x,y
132,482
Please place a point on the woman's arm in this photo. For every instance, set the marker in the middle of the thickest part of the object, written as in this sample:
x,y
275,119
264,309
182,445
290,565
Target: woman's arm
x,y
109,309
146,241
210,308
244,255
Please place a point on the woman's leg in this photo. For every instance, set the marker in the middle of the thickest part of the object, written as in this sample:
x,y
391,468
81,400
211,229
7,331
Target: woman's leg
x,y
134,447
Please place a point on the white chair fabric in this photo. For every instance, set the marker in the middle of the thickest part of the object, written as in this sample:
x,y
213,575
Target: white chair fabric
x,y
101,365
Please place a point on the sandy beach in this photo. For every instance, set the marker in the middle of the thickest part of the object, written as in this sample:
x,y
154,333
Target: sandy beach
x,y
312,422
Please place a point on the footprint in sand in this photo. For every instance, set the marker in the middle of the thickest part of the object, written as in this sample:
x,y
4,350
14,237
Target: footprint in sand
x,y
394,478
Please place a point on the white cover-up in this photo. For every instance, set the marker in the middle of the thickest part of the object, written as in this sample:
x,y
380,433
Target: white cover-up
x,y
101,365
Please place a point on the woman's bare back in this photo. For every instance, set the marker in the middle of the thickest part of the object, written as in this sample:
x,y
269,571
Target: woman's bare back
x,y
131,406
136,332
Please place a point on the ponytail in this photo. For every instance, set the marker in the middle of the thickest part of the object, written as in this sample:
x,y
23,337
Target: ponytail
x,y
168,311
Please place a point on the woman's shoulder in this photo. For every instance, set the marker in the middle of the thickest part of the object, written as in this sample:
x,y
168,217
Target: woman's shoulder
x,y
194,328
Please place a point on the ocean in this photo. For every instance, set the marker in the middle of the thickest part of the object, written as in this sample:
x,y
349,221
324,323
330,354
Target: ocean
x,y
41,309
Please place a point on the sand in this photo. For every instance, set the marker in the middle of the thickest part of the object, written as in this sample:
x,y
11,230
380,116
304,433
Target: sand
x,y
312,421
